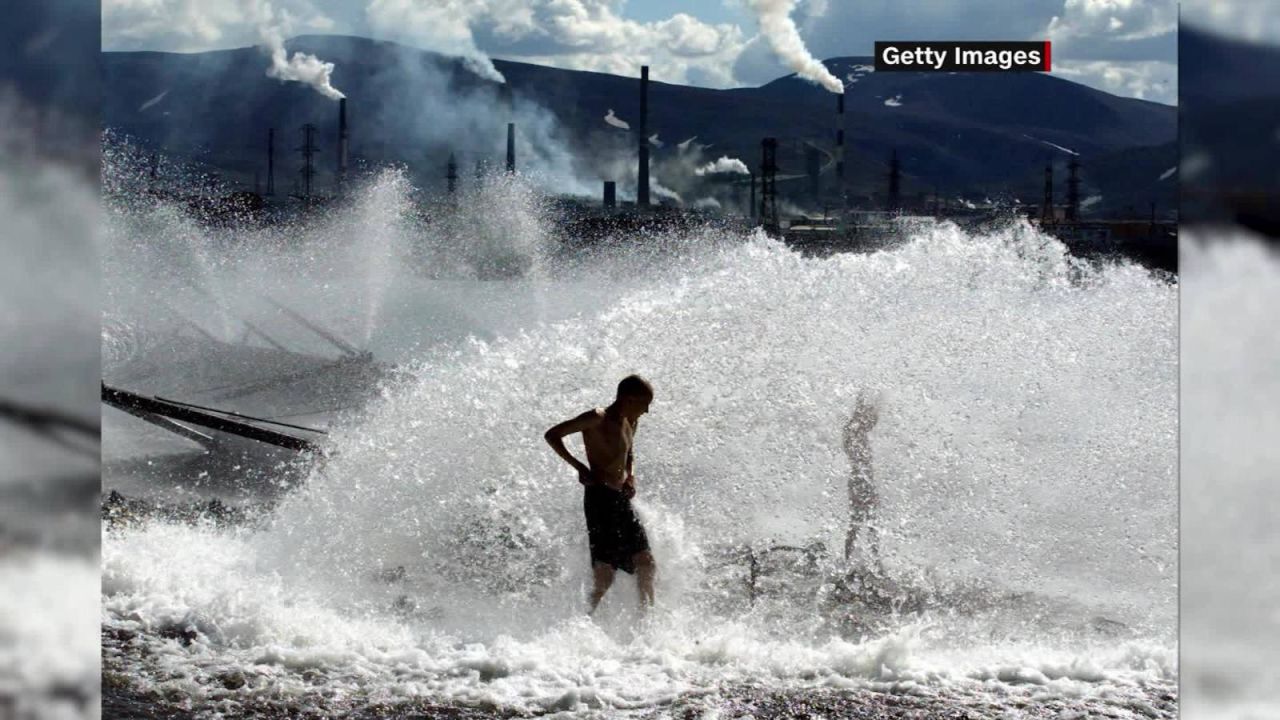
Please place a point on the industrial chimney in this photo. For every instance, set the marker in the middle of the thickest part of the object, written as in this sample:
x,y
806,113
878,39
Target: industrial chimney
x,y
343,140
768,184
271,161
642,188
895,182
1046,211
1073,190
511,148
610,194
840,140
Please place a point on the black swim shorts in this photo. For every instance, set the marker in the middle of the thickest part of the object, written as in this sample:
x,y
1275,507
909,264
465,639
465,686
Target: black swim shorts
x,y
613,530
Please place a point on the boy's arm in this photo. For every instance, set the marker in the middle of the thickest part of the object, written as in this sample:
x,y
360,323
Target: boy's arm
x,y
556,435
629,483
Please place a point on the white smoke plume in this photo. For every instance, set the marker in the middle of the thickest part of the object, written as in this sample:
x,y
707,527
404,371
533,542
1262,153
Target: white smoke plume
x,y
662,191
301,67
654,141
725,164
784,38
144,106
684,146
615,121
445,26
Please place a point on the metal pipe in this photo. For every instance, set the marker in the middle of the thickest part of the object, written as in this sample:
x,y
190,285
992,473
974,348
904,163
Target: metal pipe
x,y
123,399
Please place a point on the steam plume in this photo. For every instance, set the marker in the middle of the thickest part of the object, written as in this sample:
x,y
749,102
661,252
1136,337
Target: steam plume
x,y
784,38
725,164
615,121
301,67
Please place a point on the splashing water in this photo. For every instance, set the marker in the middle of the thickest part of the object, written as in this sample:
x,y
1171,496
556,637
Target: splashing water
x,y
1025,457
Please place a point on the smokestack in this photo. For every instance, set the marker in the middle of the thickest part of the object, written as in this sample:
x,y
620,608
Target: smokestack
x,y
840,139
1046,211
342,139
753,196
511,148
610,194
642,189
895,182
1073,190
271,161
768,183
451,173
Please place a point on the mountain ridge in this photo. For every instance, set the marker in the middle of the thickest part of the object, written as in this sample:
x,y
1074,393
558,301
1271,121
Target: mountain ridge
x,y
971,134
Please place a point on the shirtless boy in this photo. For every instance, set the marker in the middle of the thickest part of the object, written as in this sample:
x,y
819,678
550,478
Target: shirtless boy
x,y
616,538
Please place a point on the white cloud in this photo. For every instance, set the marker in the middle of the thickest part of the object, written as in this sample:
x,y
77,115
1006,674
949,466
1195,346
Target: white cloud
x,y
197,25
1255,20
1122,20
171,25
1146,80
576,34
595,35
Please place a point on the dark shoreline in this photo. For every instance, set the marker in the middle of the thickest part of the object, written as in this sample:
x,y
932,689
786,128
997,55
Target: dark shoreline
x,y
123,703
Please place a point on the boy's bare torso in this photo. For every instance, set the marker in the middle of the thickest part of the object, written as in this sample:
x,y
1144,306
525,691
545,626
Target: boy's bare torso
x,y
609,443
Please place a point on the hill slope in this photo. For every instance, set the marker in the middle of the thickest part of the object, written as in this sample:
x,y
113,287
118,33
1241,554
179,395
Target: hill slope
x,y
976,134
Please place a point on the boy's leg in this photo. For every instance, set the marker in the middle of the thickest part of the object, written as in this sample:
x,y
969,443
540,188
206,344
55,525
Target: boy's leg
x,y
646,568
602,578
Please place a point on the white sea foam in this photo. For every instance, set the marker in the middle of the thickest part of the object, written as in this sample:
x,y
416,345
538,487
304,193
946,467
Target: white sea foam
x,y
1026,448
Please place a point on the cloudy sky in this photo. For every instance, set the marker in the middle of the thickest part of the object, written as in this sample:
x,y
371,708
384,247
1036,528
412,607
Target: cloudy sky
x,y
1127,47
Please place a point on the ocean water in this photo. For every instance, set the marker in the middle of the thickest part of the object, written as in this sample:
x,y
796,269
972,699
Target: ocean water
x,y
1025,460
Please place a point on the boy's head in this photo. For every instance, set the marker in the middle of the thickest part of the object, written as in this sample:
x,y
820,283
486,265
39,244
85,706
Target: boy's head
x,y
634,395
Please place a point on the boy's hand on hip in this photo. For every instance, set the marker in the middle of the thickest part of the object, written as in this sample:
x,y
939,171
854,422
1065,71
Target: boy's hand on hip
x,y
629,487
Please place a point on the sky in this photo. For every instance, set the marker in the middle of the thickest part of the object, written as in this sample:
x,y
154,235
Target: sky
x,y
1126,47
